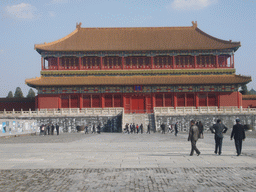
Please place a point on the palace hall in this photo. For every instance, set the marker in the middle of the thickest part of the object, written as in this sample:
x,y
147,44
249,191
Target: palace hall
x,y
138,68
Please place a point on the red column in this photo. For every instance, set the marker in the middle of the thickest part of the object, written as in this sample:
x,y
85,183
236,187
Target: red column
x,y
59,102
58,63
173,62
207,100
101,62
81,99
123,101
153,100
80,63
195,62
217,61
163,100
230,61
233,64
42,63
238,99
152,62
69,102
175,100
113,100
185,99
197,100
91,100
218,100
102,101
122,62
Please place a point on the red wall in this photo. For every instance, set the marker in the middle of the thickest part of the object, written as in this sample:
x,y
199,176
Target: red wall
x,y
231,99
17,104
47,101
249,103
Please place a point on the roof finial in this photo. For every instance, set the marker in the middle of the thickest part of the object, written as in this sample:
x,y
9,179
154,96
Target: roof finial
x,y
194,24
78,25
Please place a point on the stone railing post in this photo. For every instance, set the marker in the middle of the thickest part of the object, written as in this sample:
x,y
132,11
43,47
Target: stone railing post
x,y
216,109
232,110
61,111
184,110
29,111
78,111
13,111
69,111
248,110
192,110
208,109
4,111
200,110
21,111
241,109
38,112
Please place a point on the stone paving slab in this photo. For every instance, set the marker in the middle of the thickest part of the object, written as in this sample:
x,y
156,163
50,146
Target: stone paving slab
x,y
130,179
122,162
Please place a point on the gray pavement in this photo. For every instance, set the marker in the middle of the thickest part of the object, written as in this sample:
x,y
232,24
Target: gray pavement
x,y
124,162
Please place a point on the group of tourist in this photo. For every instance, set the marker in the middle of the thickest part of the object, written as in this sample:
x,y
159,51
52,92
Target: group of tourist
x,y
170,128
94,129
131,128
49,129
218,129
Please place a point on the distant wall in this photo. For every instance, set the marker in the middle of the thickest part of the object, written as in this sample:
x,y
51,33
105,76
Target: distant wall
x,y
249,101
17,104
47,101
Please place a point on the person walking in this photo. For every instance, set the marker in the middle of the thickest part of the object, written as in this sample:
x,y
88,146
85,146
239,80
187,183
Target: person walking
x,y
93,128
57,128
137,128
163,128
218,129
133,128
86,129
52,129
193,137
98,129
148,131
48,129
201,130
176,129
239,136
141,128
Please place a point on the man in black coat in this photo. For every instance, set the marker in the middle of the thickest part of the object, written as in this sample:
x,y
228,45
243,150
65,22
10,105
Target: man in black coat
x,y
57,128
176,128
239,135
218,129
148,131
52,129
48,129
193,137
163,128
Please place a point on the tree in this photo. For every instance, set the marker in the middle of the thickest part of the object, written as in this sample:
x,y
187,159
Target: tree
x,y
31,93
18,93
252,92
244,90
10,95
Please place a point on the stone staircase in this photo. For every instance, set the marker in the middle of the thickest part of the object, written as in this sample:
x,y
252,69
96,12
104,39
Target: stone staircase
x,y
145,119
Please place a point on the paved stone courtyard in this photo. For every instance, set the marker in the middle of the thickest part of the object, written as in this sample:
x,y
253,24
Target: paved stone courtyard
x,y
124,162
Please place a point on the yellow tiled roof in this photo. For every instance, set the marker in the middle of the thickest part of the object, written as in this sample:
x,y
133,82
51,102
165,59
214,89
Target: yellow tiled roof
x,y
137,39
138,80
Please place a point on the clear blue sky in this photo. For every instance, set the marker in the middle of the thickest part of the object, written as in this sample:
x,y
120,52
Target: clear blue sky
x,y
25,23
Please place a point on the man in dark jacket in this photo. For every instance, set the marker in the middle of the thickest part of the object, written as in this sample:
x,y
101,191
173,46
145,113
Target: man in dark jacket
x,y
218,129
239,135
193,137
163,128
57,128
176,128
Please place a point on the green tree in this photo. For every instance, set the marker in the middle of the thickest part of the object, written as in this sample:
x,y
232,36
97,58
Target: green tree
x,y
10,95
252,92
18,93
244,90
31,93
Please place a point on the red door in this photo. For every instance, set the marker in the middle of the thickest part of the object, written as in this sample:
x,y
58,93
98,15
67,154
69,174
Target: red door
x,y
138,104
